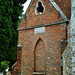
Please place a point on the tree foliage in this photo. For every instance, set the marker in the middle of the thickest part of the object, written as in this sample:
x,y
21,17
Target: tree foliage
x,y
10,10
4,65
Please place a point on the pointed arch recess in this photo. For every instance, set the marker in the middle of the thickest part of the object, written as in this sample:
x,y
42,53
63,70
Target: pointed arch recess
x,y
39,56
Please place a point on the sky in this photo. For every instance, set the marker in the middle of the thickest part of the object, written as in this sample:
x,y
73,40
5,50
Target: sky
x,y
26,5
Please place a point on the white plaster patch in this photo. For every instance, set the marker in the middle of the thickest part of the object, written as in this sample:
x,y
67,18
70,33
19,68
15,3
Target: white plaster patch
x,y
48,57
73,48
73,31
73,59
73,3
39,30
73,69
74,39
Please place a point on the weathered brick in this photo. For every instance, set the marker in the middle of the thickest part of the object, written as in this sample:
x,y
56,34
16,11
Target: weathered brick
x,y
42,52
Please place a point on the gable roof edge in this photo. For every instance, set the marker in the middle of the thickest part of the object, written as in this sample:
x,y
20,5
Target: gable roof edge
x,y
55,6
59,10
25,13
28,7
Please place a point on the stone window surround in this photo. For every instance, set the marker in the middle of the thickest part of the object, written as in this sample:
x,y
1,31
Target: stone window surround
x,y
37,6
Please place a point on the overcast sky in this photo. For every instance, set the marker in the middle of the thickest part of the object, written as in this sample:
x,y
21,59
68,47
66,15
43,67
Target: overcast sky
x,y
26,5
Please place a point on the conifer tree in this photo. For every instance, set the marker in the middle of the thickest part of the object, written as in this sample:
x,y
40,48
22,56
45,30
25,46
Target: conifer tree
x,y
10,10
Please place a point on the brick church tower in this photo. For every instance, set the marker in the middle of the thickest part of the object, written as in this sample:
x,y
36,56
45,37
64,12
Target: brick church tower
x,y
42,36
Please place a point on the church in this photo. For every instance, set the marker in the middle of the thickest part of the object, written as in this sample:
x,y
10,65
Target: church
x,y
43,38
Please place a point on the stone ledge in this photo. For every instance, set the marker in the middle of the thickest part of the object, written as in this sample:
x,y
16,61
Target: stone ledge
x,y
43,25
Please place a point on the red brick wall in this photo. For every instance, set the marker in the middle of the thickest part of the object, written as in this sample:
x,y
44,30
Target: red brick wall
x,y
39,56
65,4
16,69
49,47
49,16
52,44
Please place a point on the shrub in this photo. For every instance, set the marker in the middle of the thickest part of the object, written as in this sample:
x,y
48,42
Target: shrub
x,y
4,65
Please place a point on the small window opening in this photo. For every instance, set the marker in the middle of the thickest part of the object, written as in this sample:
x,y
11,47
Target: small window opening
x,y
40,8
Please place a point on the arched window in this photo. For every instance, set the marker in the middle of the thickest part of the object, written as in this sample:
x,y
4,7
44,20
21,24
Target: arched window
x,y
39,8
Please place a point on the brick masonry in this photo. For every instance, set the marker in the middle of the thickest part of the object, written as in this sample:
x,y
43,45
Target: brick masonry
x,y
42,51
65,6
16,68
52,52
49,16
